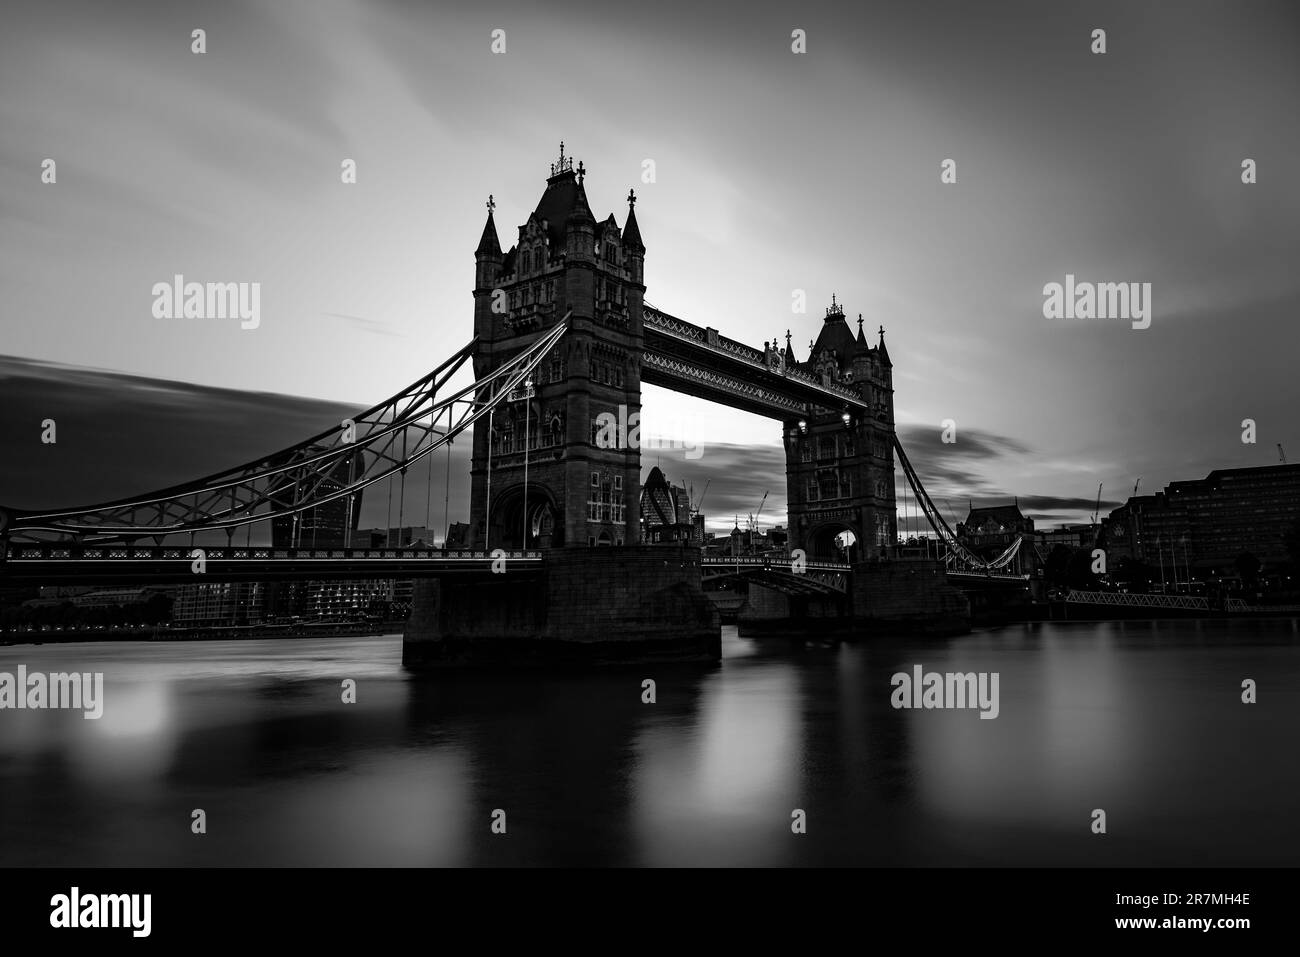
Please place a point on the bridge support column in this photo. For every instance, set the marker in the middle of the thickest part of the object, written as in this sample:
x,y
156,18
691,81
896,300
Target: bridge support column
x,y
907,597
587,605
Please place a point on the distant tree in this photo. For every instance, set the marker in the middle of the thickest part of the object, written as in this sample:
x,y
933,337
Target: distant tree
x,y
1133,572
1057,566
1247,568
157,609
1079,573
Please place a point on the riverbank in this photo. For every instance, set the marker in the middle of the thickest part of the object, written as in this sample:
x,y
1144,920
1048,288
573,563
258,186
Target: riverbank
x,y
225,633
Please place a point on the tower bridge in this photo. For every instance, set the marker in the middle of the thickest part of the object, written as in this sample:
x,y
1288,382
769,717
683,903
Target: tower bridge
x,y
562,335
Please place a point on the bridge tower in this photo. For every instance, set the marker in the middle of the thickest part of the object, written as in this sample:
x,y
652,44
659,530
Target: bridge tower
x,y
580,421
840,465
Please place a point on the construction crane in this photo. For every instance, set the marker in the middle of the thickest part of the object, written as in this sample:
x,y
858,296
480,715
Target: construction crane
x,y
695,506
1135,486
1097,509
753,519
1281,455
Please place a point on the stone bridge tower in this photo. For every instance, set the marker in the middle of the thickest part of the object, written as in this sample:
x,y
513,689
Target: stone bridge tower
x,y
579,424
840,465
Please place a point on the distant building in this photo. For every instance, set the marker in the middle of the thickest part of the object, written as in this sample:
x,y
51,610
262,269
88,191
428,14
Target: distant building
x,y
220,603
348,599
1204,525
989,531
458,535
115,597
666,512
1071,536
324,526
405,537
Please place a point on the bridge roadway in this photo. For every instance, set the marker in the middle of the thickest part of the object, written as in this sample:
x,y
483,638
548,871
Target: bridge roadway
x,y
172,564
62,563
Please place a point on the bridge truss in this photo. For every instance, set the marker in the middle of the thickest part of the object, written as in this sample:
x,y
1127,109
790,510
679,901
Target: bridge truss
x,y
378,444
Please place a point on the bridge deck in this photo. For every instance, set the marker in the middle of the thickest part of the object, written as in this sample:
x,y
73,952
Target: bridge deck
x,y
51,563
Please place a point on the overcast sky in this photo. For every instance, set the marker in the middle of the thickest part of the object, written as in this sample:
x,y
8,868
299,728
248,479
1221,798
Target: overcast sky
x,y
775,171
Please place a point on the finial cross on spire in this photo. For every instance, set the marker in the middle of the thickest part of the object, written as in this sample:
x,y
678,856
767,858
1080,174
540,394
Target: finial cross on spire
x,y
582,171
859,322
882,332
631,197
564,164
491,204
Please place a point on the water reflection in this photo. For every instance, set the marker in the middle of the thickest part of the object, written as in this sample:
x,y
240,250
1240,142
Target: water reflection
x,y
1142,719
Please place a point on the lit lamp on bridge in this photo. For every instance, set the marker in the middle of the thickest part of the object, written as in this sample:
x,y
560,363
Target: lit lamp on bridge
x,y
803,425
846,417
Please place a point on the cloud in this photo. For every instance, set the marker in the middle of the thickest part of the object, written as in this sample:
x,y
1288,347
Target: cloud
x,y
120,435
367,325
926,442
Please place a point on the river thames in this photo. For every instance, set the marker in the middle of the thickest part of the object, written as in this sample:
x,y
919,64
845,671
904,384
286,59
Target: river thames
x,y
1143,720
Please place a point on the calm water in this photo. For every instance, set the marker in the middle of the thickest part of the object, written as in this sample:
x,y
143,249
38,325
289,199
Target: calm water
x,y
1143,719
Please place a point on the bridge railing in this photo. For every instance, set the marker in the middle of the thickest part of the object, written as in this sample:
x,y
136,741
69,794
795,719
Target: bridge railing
x,y
774,562
60,553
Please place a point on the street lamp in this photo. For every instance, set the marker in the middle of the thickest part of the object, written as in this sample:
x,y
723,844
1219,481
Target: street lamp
x,y
487,510
846,417
528,407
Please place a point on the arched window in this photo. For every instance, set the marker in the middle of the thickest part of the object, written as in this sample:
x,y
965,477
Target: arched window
x,y
528,261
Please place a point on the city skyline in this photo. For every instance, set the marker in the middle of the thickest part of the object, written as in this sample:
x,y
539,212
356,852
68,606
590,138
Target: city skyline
x,y
791,197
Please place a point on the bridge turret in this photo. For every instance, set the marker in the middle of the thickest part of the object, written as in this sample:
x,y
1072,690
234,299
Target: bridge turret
x,y
565,459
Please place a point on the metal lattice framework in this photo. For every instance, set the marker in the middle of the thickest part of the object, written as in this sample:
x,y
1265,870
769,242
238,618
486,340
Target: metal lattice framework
x,y
681,369
382,441
831,395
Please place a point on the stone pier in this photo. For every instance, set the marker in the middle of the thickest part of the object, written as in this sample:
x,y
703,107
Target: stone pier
x,y
893,597
584,605
905,596
769,611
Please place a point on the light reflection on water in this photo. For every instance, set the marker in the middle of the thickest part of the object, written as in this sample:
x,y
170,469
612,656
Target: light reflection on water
x,y
1143,719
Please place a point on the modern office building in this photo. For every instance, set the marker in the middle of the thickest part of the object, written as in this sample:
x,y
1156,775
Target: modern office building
x,y
1205,525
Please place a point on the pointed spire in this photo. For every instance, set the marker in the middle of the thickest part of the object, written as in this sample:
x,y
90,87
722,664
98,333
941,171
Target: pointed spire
x,y
884,353
862,340
631,231
489,245
789,350
581,212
